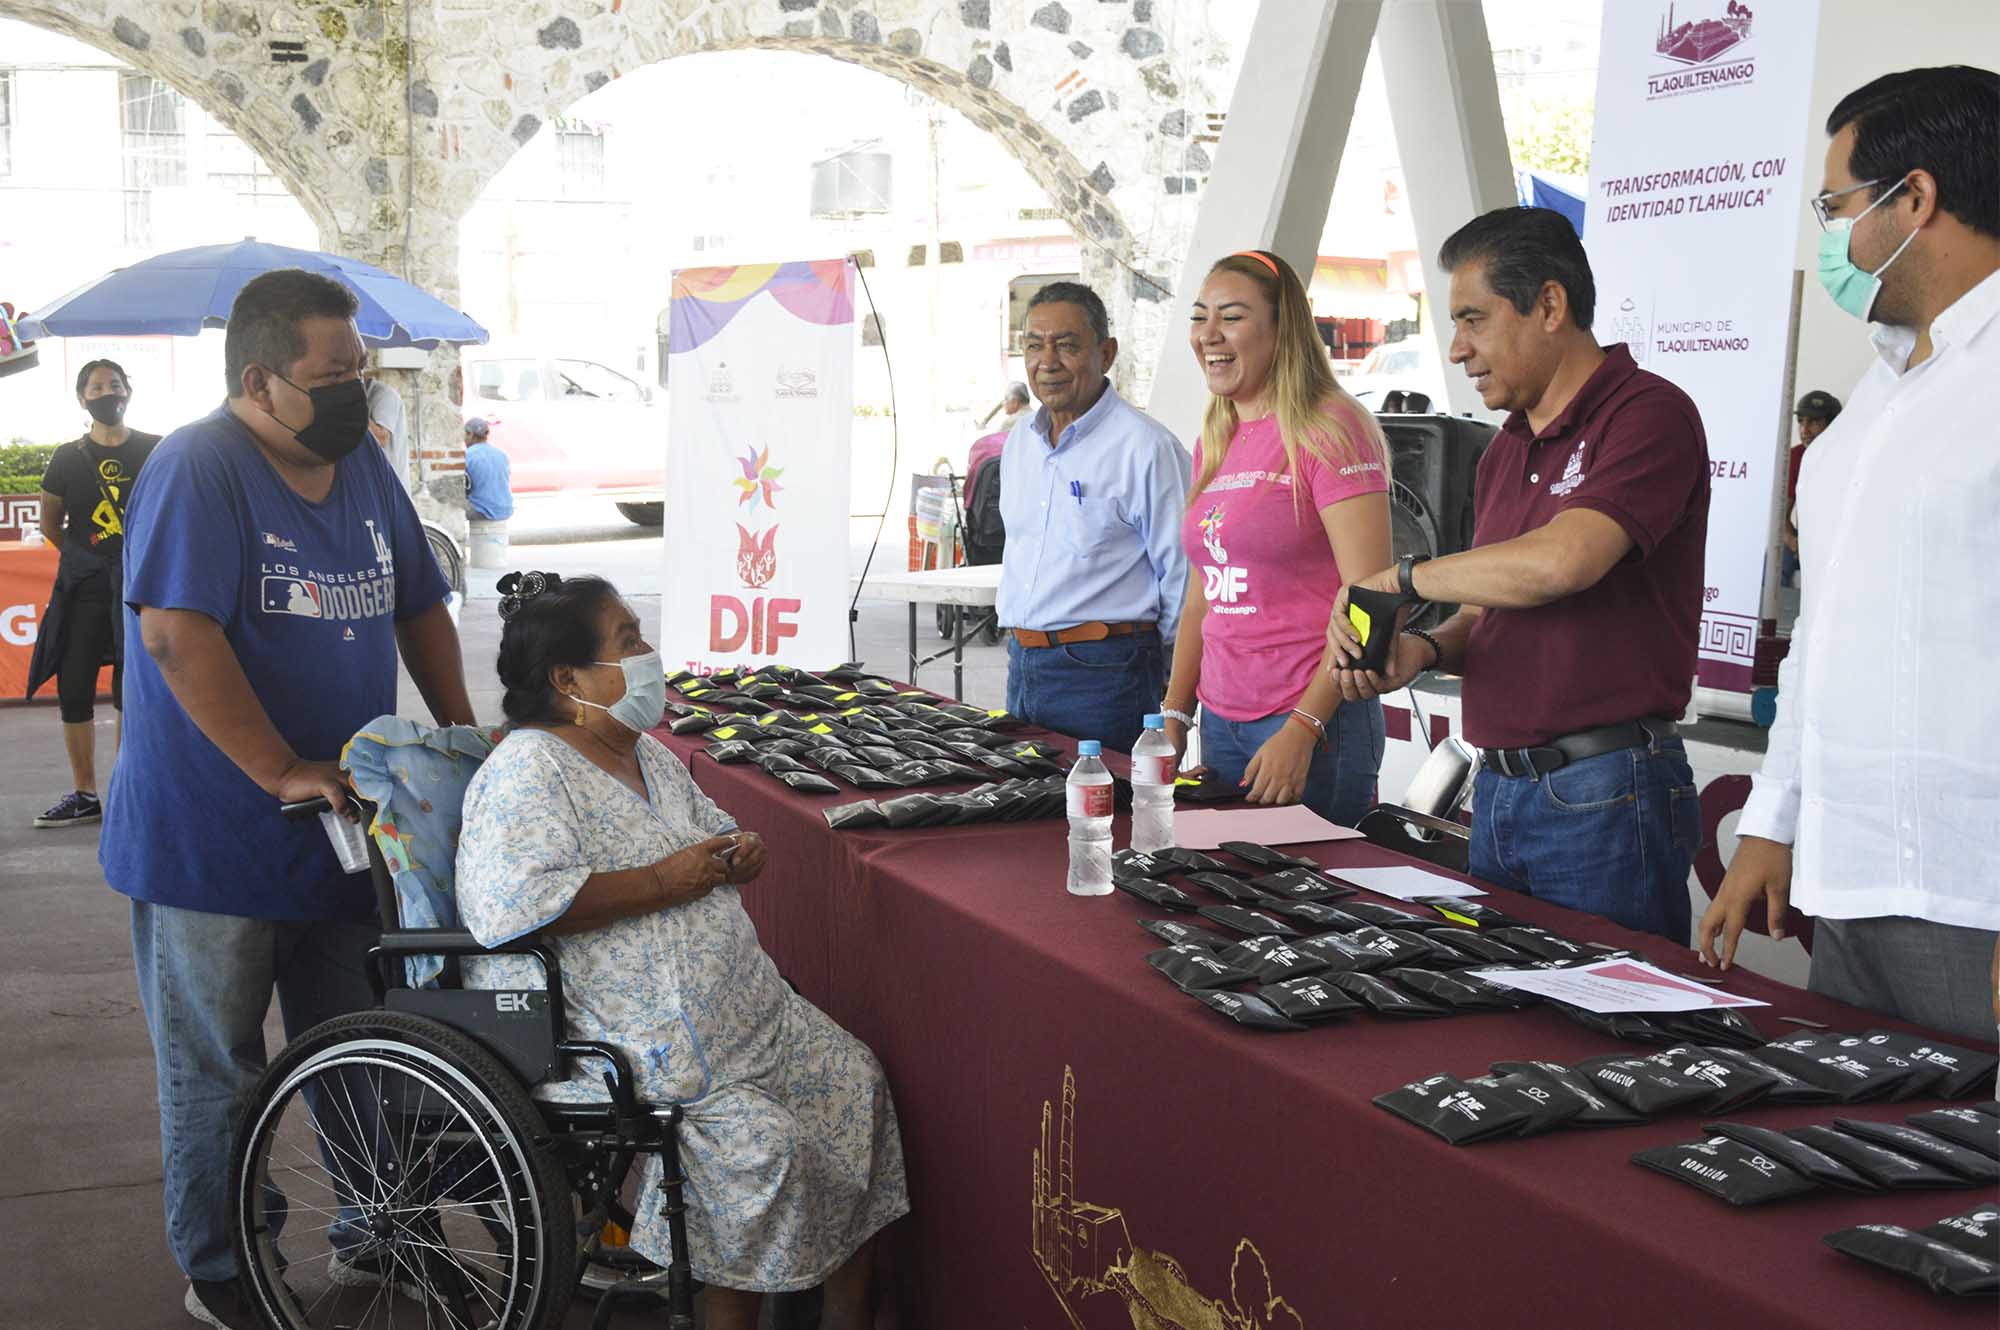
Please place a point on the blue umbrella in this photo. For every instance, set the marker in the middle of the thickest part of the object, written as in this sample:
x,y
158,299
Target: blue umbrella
x,y
180,293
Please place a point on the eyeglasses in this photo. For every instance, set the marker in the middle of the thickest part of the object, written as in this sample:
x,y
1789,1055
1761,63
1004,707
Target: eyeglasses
x,y
1824,197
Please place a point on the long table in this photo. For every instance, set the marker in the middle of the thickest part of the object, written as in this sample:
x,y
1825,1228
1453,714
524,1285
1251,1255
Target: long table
x,y
1089,1147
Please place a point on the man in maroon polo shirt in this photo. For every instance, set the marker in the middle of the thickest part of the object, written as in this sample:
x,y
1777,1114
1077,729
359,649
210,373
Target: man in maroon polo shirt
x,y
1582,594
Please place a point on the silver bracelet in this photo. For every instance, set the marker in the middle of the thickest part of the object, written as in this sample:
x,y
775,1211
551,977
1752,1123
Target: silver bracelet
x,y
1181,716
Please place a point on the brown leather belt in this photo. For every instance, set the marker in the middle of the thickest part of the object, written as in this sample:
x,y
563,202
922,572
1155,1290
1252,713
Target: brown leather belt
x,y
1083,632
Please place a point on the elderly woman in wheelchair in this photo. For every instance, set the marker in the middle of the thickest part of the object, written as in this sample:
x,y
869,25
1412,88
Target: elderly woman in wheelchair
x,y
583,828
599,888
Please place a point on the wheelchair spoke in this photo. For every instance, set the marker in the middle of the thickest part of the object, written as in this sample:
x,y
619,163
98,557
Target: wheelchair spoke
x,y
384,1190
352,1120
458,1267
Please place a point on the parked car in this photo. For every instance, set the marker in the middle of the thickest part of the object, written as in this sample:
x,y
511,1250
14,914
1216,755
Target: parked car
x,y
572,425
1411,365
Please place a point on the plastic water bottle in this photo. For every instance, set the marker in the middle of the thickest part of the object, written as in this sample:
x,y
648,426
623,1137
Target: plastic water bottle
x,y
1089,799
1153,772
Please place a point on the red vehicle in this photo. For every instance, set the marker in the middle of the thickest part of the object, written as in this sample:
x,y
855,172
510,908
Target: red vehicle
x,y
571,425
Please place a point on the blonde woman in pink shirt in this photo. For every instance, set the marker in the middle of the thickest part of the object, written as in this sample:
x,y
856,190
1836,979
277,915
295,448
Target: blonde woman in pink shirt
x,y
1290,492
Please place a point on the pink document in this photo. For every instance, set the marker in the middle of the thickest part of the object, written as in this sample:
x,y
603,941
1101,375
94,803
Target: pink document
x,y
1294,824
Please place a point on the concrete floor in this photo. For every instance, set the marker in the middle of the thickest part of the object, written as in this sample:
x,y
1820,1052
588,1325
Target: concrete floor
x,y
80,1212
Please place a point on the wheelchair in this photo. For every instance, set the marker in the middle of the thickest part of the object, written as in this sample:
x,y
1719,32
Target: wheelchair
x,y
391,1169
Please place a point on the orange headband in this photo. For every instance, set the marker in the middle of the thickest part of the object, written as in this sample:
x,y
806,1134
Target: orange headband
x,y
1260,256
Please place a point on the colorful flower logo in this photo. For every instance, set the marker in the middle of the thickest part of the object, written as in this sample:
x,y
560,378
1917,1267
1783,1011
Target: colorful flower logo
x,y
759,483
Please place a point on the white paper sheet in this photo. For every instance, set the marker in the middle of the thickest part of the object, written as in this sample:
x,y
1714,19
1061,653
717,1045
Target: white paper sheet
x,y
1405,884
1615,986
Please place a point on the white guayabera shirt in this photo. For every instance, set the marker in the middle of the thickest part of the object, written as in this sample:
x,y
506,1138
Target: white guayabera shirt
x,y
1883,770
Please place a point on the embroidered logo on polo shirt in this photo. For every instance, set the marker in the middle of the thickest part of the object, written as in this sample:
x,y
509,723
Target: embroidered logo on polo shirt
x,y
1572,475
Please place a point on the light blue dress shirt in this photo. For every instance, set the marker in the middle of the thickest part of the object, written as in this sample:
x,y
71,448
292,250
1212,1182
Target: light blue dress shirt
x,y
1093,523
488,482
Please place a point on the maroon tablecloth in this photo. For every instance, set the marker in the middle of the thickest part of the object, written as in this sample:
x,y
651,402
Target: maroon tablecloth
x,y
1050,1083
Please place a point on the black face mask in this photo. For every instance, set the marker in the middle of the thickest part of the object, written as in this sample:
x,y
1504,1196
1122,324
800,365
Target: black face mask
x,y
106,410
340,417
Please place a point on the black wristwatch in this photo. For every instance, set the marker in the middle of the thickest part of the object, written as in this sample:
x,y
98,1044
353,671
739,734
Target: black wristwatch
x,y
1406,568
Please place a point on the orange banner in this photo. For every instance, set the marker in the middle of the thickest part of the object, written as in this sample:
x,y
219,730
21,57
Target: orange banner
x,y
27,573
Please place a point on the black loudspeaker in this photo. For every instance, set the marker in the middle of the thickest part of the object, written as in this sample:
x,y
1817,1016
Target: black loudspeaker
x,y
1432,462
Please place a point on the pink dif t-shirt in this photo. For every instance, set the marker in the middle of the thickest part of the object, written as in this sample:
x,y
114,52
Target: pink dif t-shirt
x,y
1267,569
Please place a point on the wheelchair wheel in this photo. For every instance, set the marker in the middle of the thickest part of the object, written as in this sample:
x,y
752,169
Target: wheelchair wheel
x,y
389,1172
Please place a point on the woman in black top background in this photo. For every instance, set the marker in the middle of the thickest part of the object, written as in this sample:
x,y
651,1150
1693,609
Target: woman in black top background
x,y
84,493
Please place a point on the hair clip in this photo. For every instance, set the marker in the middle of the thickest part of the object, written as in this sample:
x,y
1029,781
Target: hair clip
x,y
517,589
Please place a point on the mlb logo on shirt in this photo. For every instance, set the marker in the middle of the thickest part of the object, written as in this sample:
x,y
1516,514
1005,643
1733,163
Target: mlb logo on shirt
x,y
292,595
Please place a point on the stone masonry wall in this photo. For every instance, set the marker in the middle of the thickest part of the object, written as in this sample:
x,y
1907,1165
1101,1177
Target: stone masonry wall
x,y
1090,95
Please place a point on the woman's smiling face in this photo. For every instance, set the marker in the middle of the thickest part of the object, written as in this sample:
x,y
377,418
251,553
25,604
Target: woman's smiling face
x,y
1234,333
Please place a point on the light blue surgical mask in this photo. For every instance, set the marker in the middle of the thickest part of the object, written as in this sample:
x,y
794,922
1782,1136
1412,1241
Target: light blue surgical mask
x,y
645,700
1854,289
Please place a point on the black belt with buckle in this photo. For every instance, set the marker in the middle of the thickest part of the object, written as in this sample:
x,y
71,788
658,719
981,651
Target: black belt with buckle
x,y
1559,753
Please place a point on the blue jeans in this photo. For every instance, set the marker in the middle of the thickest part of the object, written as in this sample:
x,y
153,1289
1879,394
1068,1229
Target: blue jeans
x,y
1340,783
1613,834
206,982
1089,690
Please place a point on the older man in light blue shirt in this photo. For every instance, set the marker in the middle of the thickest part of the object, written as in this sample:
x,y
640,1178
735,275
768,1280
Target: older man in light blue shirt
x,y
1092,491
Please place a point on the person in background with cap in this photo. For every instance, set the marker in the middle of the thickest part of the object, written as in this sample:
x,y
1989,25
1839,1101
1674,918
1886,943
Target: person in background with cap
x,y
1581,595
1091,493
489,485
1815,412
1877,803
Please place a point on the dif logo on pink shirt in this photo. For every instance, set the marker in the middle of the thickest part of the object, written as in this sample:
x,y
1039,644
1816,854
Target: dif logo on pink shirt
x,y
1222,585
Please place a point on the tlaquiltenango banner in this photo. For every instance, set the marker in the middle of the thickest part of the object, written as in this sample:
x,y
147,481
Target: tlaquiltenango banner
x,y
761,377
1698,170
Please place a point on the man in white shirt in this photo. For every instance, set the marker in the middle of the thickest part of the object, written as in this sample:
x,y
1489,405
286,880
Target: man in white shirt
x,y
1878,807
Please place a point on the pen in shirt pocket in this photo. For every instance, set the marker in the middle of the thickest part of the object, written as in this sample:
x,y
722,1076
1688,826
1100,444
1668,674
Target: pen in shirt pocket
x,y
1076,492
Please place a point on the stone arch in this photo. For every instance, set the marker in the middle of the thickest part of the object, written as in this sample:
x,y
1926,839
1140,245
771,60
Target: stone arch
x,y
1109,136
201,61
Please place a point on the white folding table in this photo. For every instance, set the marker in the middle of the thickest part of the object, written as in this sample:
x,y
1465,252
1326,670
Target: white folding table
x,y
968,586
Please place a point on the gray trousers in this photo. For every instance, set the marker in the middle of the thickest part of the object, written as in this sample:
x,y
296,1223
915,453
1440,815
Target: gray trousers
x,y
1938,975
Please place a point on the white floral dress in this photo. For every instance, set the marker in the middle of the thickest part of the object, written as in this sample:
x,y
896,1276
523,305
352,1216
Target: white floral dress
x,y
790,1143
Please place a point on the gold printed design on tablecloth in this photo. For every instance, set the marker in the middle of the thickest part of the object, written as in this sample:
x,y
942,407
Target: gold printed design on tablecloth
x,y
1086,1250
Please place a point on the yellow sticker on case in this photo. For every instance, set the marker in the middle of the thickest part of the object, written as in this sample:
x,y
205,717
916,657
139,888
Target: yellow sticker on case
x,y
1359,618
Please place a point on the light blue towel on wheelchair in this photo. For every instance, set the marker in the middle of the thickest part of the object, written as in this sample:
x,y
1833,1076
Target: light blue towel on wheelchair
x,y
416,776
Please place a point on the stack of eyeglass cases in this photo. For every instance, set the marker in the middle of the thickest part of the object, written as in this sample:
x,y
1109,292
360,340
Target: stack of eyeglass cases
x,y
819,733
1286,958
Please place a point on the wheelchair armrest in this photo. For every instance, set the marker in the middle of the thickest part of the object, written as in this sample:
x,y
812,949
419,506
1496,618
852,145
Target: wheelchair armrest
x,y
437,942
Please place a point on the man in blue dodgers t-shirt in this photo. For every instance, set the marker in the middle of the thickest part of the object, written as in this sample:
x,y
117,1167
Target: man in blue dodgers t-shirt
x,y
273,570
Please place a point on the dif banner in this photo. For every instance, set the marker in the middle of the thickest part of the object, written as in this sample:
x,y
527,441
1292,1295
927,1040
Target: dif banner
x,y
1701,161
761,380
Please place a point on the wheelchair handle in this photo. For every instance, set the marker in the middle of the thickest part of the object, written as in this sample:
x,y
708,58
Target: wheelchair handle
x,y
305,808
